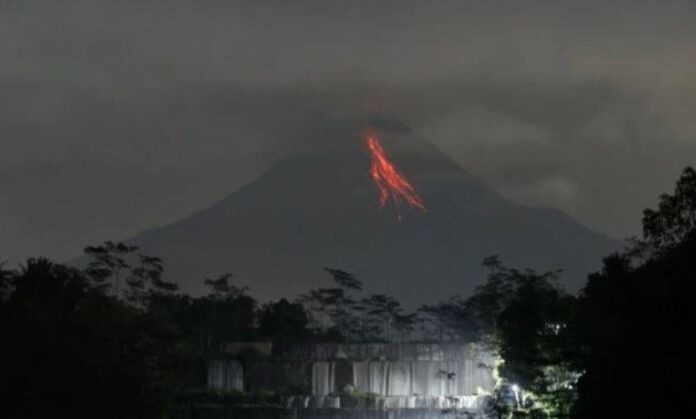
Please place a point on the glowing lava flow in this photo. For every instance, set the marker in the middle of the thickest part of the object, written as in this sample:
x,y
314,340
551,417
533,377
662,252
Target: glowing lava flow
x,y
391,184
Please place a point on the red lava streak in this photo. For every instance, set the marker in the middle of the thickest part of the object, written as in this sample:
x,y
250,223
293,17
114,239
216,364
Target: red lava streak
x,y
391,184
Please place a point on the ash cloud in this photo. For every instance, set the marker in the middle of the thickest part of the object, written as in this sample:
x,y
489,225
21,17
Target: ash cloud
x,y
121,116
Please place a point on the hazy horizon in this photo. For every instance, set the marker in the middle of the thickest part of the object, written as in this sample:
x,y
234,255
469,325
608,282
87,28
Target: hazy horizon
x,y
130,115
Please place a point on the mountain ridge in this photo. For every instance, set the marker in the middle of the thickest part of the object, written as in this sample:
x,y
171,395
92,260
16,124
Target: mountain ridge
x,y
321,208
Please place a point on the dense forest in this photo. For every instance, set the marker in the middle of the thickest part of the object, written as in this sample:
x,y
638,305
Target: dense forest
x,y
115,339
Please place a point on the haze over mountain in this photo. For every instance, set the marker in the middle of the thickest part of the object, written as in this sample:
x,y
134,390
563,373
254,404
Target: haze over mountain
x,y
319,207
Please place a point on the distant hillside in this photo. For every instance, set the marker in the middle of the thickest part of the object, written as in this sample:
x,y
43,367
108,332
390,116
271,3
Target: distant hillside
x,y
319,207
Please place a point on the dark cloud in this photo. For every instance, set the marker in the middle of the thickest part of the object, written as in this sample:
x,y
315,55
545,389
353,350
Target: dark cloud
x,y
123,115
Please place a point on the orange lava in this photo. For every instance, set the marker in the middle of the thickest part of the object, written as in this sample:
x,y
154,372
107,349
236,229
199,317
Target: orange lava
x,y
390,183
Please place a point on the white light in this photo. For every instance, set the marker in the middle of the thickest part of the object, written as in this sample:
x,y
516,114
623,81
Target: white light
x,y
516,390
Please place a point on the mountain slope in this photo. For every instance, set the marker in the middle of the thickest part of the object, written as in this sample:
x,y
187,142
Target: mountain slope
x,y
319,208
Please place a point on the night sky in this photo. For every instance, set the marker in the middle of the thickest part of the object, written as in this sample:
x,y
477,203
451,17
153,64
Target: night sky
x,y
123,115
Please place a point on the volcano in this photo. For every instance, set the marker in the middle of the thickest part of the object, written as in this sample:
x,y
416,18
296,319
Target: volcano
x,y
320,207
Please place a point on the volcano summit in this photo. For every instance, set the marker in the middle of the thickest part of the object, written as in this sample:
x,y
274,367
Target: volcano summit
x,y
320,206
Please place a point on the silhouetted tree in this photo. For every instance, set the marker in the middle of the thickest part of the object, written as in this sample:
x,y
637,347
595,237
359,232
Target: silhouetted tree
x,y
381,310
107,264
633,316
145,283
674,221
533,341
70,349
403,325
448,320
221,289
110,263
474,318
524,317
5,281
283,321
336,308
344,279
226,314
341,312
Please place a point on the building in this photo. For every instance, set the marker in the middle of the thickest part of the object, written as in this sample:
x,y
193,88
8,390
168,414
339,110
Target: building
x,y
362,376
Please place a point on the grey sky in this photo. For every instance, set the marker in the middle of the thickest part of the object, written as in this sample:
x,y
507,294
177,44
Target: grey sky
x,y
119,116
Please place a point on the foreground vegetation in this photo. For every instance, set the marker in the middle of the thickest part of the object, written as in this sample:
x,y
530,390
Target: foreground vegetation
x,y
114,339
